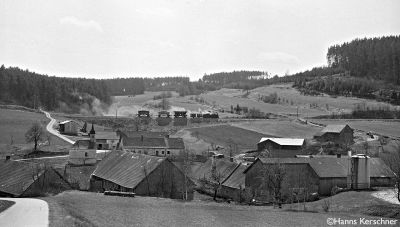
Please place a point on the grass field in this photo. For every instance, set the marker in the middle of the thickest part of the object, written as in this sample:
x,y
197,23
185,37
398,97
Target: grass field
x,y
357,202
75,208
13,126
383,127
225,135
280,128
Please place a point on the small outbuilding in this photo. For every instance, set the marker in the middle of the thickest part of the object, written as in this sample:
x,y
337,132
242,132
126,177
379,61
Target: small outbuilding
x,y
69,127
141,174
339,134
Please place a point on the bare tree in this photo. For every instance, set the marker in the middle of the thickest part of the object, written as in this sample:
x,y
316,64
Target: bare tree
x,y
35,134
272,177
393,161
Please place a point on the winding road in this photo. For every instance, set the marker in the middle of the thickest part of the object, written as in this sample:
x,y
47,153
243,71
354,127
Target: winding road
x,y
25,212
50,128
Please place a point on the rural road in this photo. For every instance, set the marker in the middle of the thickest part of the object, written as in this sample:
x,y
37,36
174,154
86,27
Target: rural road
x,y
50,128
25,212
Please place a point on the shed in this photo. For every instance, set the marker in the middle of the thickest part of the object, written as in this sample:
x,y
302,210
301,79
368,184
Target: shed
x,y
28,179
142,174
340,134
69,127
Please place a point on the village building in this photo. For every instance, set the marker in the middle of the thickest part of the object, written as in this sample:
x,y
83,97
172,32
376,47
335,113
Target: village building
x,y
233,187
313,175
107,140
339,134
281,147
84,151
163,114
180,114
141,174
156,146
69,127
28,179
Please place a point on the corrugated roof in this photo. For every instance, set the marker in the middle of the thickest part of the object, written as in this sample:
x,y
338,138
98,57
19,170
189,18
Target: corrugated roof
x,y
17,176
175,143
146,142
284,141
237,178
224,168
125,168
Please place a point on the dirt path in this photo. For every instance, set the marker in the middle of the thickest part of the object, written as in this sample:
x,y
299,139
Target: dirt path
x,y
51,130
25,212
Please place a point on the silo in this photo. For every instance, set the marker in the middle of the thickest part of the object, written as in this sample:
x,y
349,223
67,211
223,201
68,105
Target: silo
x,y
359,172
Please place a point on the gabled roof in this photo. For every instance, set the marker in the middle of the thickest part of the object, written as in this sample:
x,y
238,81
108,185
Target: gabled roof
x,y
144,133
67,121
17,176
284,141
144,142
175,143
224,169
331,167
334,128
125,168
106,135
237,178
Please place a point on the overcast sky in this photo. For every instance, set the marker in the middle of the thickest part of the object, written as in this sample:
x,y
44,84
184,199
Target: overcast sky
x,y
106,39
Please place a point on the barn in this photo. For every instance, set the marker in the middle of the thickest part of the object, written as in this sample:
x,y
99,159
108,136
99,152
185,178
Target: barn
x,y
142,174
156,146
281,147
28,179
321,174
69,127
339,134
233,187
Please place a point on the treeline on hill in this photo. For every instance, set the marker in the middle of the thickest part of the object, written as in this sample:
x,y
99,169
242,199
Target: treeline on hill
x,y
366,68
22,87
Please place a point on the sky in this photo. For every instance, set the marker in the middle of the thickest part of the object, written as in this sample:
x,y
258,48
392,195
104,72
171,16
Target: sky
x,y
107,39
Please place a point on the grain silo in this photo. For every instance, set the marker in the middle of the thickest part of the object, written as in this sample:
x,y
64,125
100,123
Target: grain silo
x,y
358,172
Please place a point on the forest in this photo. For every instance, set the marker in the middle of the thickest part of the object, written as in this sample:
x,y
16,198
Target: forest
x,y
366,68
22,87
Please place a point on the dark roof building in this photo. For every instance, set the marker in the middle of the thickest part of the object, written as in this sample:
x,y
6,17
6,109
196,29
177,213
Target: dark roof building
x,y
341,134
26,179
141,174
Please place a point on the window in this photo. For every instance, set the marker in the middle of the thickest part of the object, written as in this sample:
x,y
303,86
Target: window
x,y
157,153
145,152
86,154
162,152
168,152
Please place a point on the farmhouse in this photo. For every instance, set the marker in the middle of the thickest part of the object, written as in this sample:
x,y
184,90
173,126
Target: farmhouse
x,y
106,140
280,147
156,146
27,179
69,127
142,174
315,174
84,151
340,134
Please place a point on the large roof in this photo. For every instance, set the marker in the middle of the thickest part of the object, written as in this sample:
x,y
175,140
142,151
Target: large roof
x,y
125,168
224,169
284,141
17,176
175,143
143,133
237,178
331,167
334,128
144,142
106,135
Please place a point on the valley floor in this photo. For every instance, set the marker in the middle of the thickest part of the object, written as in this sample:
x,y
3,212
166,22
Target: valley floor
x,y
75,208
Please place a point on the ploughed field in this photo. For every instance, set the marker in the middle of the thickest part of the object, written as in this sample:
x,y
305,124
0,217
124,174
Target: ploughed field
x,y
74,208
